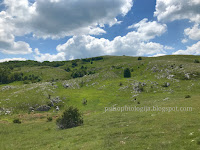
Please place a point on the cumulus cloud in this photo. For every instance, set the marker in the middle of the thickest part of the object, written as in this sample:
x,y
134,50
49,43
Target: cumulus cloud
x,y
12,59
55,19
48,57
134,43
184,41
170,10
192,50
60,18
158,55
8,44
194,32
148,30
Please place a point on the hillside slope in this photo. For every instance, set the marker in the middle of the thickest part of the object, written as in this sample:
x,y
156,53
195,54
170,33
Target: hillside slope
x,y
157,108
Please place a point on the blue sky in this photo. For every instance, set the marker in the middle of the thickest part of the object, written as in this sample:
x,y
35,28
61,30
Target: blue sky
x,y
57,30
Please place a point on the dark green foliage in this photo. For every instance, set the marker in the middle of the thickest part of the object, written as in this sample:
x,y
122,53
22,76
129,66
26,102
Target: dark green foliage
x,y
198,142
32,78
92,59
74,64
17,121
120,84
68,69
196,61
7,76
139,58
49,119
70,118
31,63
26,82
78,73
187,96
127,73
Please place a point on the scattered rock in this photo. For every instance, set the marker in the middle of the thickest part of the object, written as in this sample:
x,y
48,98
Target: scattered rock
x,y
187,76
31,109
57,108
56,100
43,108
7,88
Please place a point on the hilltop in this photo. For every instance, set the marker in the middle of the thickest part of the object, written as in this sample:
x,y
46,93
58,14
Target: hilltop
x,y
32,91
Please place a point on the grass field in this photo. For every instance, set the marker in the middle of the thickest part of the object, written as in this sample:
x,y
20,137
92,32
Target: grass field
x,y
107,88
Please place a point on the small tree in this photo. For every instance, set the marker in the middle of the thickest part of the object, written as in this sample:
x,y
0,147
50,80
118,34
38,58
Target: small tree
x,y
196,61
17,121
70,118
139,58
127,73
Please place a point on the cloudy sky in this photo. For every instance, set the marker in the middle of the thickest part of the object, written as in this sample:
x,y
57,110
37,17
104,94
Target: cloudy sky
x,y
68,29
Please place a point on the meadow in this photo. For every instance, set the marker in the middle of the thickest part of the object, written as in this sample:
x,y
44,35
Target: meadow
x,y
166,82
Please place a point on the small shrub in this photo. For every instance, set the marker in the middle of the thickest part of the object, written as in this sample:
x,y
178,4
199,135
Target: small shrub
x,y
120,84
127,73
49,119
139,58
196,61
84,101
17,121
68,69
26,82
74,64
187,96
198,142
70,118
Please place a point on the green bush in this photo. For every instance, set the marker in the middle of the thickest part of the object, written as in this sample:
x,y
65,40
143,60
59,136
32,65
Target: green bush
x,y
127,73
49,119
68,69
17,121
139,58
187,96
196,61
70,118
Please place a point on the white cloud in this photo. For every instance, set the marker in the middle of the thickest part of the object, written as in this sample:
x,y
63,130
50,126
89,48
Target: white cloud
x,y
8,45
48,57
184,41
134,43
60,18
158,55
12,59
148,30
170,10
168,48
55,19
192,50
194,32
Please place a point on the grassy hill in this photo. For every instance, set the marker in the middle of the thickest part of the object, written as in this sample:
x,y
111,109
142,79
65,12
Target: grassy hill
x,y
158,86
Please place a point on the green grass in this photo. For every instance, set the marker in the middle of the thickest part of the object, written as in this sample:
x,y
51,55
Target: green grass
x,y
107,130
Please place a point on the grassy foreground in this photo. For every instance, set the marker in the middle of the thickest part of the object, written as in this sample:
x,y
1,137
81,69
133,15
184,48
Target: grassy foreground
x,y
166,129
